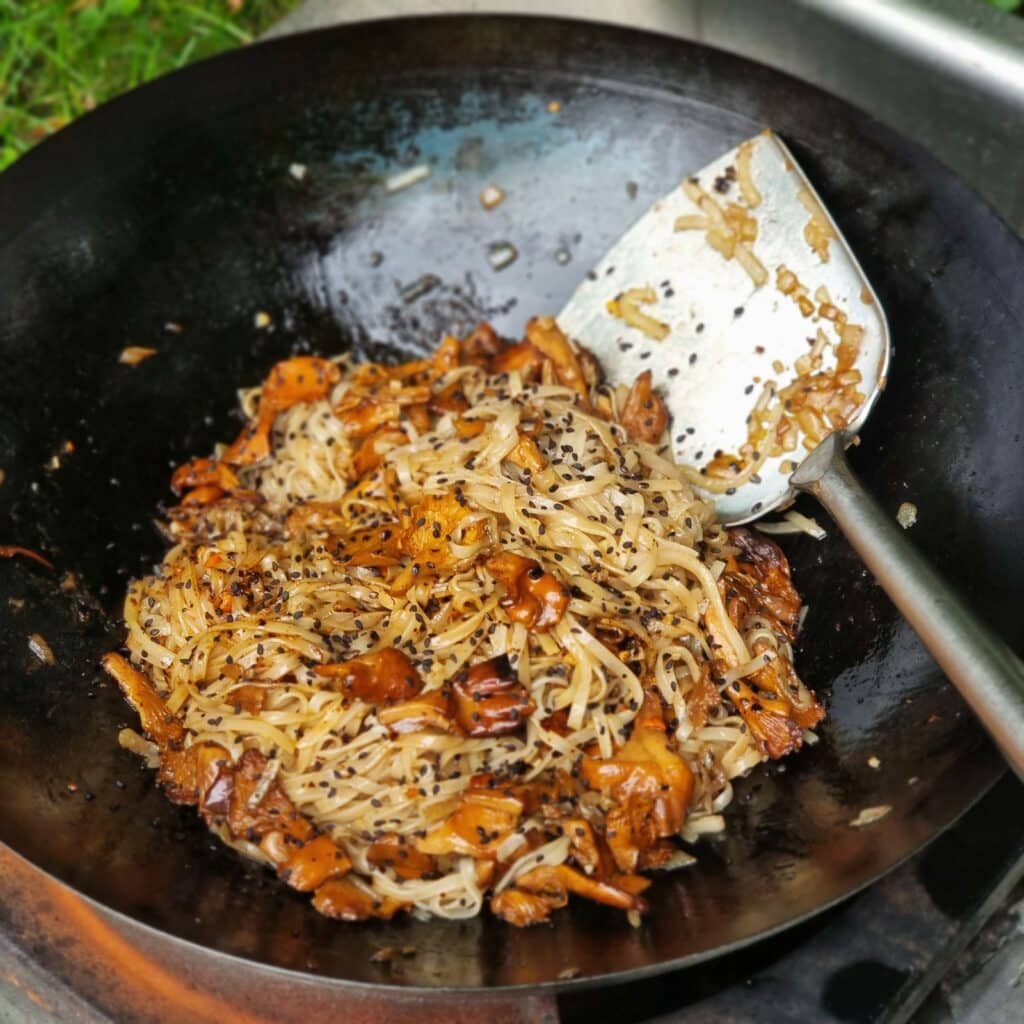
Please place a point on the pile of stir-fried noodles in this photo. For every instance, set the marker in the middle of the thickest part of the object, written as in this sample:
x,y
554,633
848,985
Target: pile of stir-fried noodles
x,y
458,632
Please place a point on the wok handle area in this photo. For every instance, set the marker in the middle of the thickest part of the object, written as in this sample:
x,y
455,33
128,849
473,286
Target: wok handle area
x,y
989,676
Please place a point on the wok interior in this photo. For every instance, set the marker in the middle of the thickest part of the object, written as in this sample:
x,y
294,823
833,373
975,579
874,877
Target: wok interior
x,y
176,205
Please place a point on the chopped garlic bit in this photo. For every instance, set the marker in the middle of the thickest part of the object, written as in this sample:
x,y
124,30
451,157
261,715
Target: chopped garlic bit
x,y
406,179
298,171
749,191
135,354
501,254
906,515
729,229
869,815
41,649
423,285
491,197
818,231
626,306
554,106
262,320
873,762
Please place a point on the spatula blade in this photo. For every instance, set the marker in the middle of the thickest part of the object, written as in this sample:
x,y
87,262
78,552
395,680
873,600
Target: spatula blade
x,y
730,330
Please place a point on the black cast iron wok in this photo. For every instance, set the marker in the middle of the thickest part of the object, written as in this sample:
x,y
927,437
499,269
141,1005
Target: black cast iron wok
x,y
175,204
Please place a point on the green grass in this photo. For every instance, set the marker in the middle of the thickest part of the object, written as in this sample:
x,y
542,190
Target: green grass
x,y
60,58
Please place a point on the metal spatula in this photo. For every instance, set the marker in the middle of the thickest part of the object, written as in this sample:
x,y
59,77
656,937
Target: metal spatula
x,y
769,346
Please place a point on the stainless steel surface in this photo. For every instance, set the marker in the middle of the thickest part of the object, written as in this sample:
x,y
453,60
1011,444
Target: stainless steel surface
x,y
987,673
984,981
976,977
947,73
715,318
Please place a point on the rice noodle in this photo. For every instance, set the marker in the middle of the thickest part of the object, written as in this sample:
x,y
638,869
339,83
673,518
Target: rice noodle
x,y
794,522
554,852
626,306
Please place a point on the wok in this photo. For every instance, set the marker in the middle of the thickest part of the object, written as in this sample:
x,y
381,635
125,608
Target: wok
x,y
175,205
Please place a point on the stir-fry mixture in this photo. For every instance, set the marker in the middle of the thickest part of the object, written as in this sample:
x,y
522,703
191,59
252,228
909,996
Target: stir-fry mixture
x,y
458,632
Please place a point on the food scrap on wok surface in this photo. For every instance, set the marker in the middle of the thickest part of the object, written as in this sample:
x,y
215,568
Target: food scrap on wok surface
x,y
458,633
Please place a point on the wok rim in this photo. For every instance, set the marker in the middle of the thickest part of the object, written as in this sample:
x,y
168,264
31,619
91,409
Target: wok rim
x,y
548,988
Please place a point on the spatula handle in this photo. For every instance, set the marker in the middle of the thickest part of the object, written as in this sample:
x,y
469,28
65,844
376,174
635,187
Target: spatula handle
x,y
989,676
